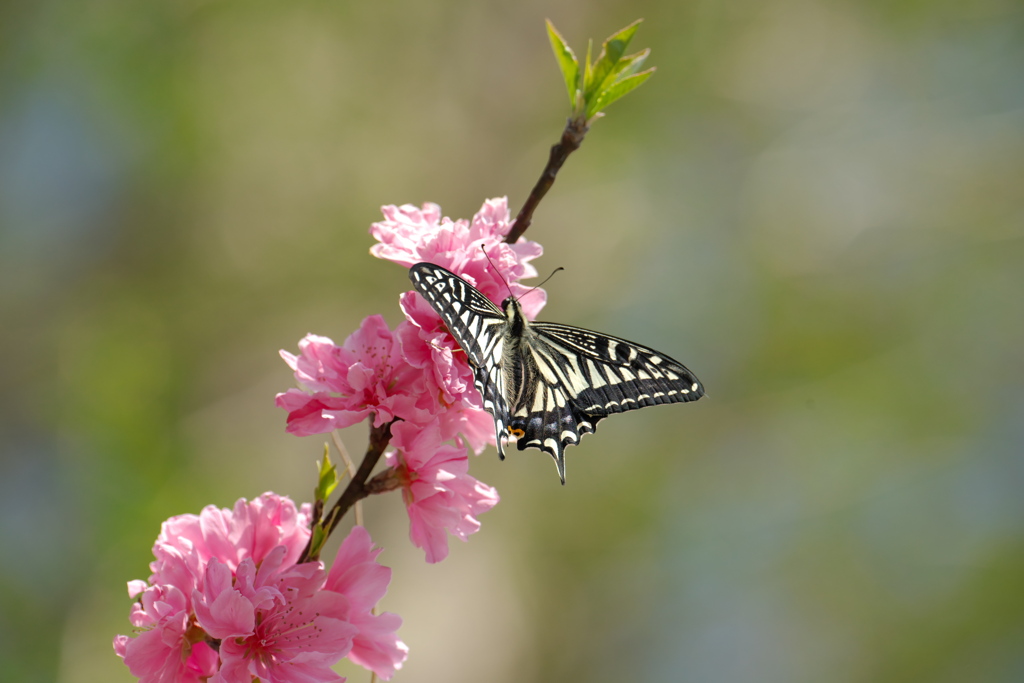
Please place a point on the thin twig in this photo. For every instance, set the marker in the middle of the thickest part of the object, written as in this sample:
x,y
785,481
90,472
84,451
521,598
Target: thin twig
x,y
349,465
572,137
357,488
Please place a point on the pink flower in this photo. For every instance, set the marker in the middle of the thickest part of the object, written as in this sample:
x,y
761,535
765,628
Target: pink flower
x,y
194,549
227,605
418,373
312,619
365,375
417,377
426,345
440,496
252,529
409,374
474,250
226,602
357,575
164,652
408,235
449,391
317,414
294,640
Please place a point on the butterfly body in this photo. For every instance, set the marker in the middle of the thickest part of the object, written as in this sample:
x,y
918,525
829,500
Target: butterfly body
x,y
547,384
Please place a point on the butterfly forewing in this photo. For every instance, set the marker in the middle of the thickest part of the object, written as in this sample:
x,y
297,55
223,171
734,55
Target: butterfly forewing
x,y
478,326
476,323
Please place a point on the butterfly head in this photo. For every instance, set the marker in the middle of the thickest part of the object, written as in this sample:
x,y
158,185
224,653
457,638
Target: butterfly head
x,y
514,315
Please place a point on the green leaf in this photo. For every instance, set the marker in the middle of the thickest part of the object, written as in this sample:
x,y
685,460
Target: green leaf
x,y
628,66
615,91
328,480
567,61
602,82
317,540
611,52
588,69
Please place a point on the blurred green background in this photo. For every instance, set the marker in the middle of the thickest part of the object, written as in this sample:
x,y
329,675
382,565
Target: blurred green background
x,y
817,206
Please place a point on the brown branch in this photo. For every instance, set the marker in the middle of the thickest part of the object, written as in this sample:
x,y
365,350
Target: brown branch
x,y
572,137
357,488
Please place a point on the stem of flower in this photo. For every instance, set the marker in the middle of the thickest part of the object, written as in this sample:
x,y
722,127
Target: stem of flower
x,y
572,137
356,489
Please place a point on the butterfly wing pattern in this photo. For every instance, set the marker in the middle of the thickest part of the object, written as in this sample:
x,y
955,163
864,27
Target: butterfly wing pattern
x,y
478,326
548,384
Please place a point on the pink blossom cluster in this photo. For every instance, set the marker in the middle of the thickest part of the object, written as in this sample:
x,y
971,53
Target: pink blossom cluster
x,y
227,602
474,250
416,376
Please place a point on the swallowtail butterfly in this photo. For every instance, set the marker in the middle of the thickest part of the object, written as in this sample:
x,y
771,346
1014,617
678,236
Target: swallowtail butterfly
x,y
548,384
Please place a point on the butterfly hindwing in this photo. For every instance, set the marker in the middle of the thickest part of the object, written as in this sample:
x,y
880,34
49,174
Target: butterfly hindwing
x,y
546,416
616,375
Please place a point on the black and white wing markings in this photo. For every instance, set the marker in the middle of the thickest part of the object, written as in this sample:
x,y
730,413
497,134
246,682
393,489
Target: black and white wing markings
x,y
475,322
614,375
548,384
575,378
547,416
490,382
478,326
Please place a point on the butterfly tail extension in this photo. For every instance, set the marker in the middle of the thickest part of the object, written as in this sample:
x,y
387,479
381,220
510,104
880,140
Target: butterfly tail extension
x,y
559,425
560,464
553,447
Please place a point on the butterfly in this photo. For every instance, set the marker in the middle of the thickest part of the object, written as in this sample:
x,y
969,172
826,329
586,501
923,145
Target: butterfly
x,y
548,384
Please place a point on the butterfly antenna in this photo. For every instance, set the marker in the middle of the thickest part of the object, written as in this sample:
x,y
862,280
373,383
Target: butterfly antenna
x,y
545,280
511,295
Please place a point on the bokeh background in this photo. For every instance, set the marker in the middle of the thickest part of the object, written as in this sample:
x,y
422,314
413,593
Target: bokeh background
x,y
817,206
